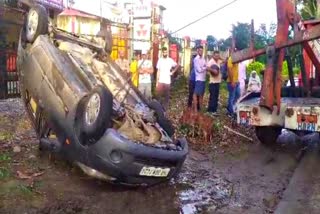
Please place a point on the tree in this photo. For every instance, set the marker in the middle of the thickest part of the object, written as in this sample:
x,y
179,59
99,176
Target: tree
x,y
263,37
309,9
241,33
224,44
211,43
197,42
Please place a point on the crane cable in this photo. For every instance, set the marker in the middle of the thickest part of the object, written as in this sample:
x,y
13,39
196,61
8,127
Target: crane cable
x,y
205,16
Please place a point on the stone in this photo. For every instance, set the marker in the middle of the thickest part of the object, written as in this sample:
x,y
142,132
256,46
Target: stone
x,y
16,149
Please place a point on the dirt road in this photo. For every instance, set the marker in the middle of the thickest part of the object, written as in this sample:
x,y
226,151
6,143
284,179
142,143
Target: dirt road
x,y
245,178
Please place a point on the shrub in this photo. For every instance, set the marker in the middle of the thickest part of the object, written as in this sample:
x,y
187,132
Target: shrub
x,y
255,66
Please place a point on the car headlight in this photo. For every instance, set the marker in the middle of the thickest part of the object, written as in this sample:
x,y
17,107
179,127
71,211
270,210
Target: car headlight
x,y
92,109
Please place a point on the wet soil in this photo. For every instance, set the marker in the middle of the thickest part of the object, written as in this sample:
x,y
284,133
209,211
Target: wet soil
x,y
233,177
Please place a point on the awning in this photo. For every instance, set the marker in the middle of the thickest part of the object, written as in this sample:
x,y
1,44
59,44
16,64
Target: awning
x,y
70,12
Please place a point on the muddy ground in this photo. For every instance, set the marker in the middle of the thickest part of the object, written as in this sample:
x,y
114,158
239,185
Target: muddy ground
x,y
229,175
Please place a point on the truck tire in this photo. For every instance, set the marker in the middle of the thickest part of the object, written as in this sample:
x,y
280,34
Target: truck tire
x,y
268,135
93,123
162,120
37,23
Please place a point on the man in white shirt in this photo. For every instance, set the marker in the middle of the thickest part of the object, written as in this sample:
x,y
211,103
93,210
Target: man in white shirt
x,y
213,67
145,71
200,71
166,68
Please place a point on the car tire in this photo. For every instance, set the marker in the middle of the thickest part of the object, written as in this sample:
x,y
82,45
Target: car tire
x,y
92,131
162,120
37,23
268,135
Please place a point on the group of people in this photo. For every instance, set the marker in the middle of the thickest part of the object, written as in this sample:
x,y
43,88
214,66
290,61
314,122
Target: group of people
x,y
141,72
234,74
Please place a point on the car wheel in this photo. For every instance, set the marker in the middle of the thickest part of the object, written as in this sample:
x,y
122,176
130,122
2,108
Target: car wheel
x,y
37,23
94,113
268,135
162,120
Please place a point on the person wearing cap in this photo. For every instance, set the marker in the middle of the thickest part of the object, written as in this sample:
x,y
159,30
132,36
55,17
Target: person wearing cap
x,y
145,70
200,71
213,67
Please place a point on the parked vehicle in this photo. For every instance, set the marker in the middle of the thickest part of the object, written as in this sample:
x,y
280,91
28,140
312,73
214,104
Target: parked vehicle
x,y
84,106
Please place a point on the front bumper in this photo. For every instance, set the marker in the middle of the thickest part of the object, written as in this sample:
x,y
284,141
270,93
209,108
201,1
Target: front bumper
x,y
123,160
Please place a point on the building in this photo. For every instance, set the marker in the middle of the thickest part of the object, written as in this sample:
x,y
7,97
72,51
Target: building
x,y
96,15
146,18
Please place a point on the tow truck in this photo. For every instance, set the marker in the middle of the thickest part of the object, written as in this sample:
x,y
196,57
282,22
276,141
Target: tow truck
x,y
294,107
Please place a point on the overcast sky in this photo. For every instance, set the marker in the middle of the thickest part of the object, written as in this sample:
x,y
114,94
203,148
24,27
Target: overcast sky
x,y
181,12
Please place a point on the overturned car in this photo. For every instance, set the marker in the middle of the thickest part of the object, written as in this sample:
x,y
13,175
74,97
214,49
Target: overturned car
x,y
84,106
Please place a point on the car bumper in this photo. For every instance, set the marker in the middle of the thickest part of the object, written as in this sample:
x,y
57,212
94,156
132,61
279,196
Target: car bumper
x,y
122,160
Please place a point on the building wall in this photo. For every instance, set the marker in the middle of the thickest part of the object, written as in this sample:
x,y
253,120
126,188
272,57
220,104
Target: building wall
x,y
79,25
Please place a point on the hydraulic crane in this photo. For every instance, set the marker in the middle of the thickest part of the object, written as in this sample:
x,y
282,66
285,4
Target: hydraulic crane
x,y
274,108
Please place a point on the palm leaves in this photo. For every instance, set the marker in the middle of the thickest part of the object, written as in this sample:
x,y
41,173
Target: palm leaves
x,y
309,9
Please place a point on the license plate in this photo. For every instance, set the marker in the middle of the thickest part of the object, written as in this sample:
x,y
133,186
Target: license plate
x,y
307,122
154,171
245,117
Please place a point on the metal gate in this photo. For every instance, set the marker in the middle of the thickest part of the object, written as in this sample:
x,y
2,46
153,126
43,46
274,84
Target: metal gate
x,y
9,81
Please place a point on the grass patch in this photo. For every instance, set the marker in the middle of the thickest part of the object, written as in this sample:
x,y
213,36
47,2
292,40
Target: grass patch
x,y
16,188
5,136
4,173
5,158
217,126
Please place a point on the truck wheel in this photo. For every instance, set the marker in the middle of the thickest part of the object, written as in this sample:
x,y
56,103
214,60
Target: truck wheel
x,y
162,120
94,114
268,135
37,23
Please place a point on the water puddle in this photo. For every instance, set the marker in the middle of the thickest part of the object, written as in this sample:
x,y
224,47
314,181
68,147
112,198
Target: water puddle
x,y
200,190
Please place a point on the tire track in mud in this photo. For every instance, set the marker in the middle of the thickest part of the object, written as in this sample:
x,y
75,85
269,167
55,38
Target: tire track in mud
x,y
302,194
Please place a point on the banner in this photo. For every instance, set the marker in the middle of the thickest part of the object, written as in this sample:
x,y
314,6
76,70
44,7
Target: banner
x,y
142,31
102,8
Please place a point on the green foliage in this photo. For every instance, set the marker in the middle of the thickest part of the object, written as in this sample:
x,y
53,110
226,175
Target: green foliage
x,y
211,43
4,173
4,157
224,44
296,70
309,9
255,66
175,40
241,33
197,42
285,71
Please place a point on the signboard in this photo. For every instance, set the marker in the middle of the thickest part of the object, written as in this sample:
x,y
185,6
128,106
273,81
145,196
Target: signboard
x,y
57,4
142,10
102,8
142,32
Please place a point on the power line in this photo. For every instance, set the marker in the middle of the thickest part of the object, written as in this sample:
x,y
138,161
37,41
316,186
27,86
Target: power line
x,y
205,16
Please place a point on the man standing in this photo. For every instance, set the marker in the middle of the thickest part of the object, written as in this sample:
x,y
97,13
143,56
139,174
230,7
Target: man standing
x,y
213,67
192,82
233,85
166,68
200,71
145,71
134,69
123,63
